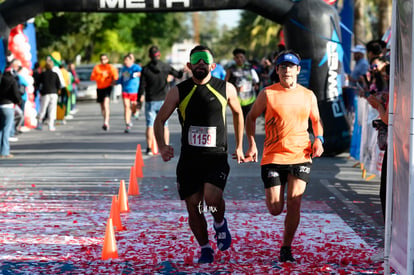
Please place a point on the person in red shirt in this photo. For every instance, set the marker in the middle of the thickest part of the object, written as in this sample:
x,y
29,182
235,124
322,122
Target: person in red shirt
x,y
288,150
105,76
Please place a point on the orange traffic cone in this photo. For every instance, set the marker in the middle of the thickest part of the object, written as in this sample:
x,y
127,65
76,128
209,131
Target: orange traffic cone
x,y
133,187
138,172
154,147
115,215
123,198
109,249
139,162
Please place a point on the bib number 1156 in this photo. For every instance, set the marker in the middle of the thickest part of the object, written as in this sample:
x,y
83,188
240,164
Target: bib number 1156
x,y
202,136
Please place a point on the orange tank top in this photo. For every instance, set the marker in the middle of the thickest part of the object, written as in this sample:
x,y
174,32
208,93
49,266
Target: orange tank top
x,y
287,121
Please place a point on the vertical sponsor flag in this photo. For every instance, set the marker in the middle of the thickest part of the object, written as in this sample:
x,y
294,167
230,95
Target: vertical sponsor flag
x,y
401,150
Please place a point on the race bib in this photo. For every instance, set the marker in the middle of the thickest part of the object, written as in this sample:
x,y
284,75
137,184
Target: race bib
x,y
202,136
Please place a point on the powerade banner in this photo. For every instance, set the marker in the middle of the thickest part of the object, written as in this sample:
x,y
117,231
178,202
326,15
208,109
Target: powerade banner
x,y
319,39
311,27
305,72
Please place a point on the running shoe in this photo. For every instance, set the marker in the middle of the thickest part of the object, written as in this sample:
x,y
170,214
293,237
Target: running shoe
x,y
286,254
13,139
52,128
223,236
149,152
127,129
105,127
207,256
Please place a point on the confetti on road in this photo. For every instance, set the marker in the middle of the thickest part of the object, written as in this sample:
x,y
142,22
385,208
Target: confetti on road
x,y
65,236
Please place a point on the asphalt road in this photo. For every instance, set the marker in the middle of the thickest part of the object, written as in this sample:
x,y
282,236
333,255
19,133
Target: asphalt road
x,y
81,160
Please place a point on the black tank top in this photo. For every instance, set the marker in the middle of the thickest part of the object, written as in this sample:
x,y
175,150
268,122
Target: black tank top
x,y
202,114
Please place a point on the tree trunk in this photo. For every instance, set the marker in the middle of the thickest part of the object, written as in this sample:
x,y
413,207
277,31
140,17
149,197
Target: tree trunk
x,y
361,33
384,16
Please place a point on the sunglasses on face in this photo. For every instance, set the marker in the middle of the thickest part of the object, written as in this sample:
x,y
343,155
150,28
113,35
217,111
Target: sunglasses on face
x,y
197,56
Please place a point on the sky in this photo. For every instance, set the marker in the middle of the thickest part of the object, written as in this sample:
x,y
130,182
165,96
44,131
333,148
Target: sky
x,y
229,17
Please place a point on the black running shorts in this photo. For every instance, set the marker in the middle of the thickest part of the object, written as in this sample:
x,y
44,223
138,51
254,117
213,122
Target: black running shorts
x,y
277,174
193,170
102,93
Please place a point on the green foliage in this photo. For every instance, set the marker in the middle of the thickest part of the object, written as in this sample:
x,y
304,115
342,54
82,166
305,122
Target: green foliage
x,y
71,34
257,34
89,34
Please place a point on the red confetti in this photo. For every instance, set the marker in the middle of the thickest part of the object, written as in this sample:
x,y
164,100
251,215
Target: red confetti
x,y
155,238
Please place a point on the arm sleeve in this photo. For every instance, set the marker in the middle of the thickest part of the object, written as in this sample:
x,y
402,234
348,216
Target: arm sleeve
x,y
175,73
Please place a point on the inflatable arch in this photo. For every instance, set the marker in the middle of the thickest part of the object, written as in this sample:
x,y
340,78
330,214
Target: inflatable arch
x,y
311,27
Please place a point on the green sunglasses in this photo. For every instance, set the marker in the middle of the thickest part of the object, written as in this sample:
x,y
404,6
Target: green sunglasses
x,y
197,56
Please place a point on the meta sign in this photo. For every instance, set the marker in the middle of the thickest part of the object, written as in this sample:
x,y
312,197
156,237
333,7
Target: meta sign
x,y
142,4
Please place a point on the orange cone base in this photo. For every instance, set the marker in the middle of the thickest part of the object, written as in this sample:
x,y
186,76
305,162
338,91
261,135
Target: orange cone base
x,y
109,250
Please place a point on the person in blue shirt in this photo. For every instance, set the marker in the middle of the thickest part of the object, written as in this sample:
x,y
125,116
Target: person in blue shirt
x,y
219,71
129,78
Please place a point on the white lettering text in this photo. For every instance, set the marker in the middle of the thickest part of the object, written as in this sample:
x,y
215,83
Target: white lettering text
x,y
140,4
333,66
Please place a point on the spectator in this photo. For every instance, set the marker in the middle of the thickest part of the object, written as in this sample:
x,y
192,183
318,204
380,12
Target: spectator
x,y
50,85
379,101
75,83
356,77
9,97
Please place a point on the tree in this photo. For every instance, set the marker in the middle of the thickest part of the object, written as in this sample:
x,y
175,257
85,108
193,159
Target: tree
x,y
372,18
89,34
256,34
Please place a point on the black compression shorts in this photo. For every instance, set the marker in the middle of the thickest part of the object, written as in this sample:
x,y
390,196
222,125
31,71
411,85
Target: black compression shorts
x,y
193,170
277,174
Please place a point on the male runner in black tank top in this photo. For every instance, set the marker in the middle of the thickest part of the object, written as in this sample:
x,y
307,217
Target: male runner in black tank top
x,y
202,169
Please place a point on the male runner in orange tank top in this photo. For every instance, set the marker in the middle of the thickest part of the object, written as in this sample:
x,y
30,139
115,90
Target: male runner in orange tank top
x,y
288,151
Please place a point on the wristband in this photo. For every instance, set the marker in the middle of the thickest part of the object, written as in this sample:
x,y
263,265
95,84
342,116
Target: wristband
x,y
321,139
